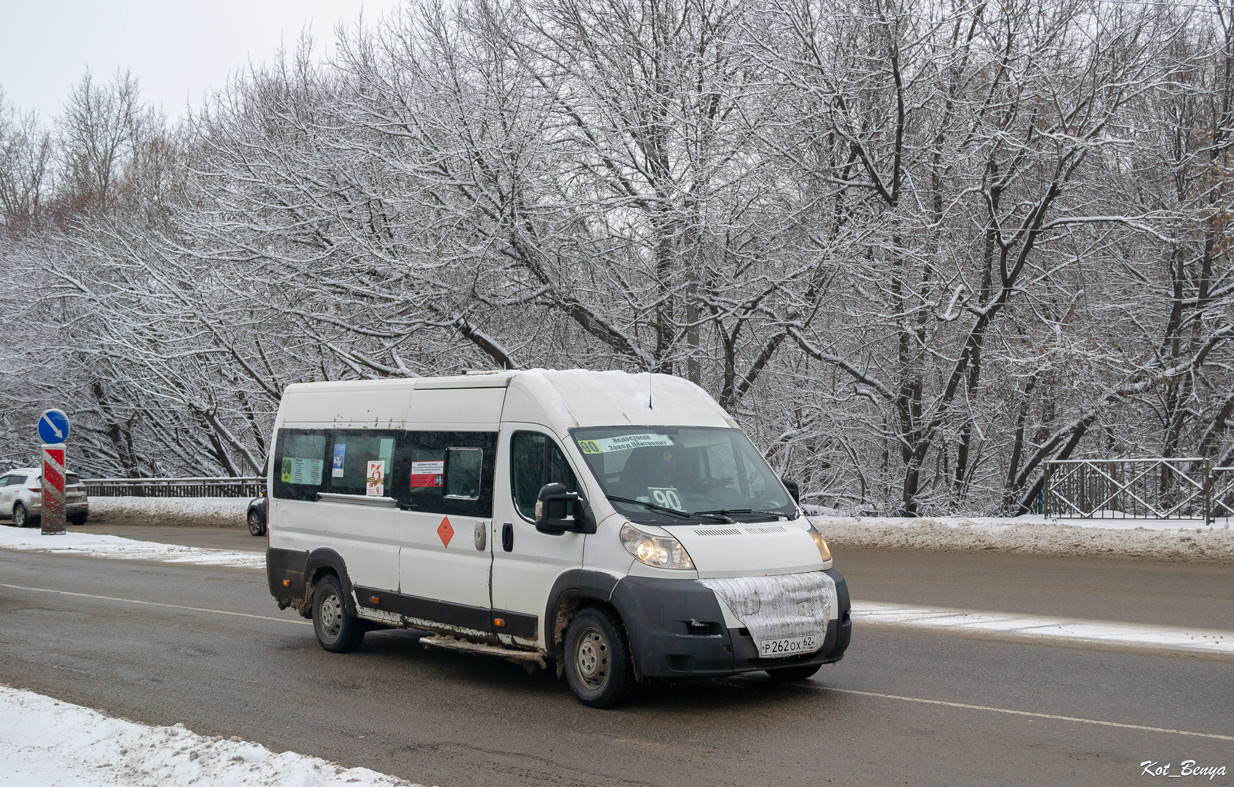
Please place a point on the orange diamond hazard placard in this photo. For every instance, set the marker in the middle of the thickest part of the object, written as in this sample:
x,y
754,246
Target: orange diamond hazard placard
x,y
445,532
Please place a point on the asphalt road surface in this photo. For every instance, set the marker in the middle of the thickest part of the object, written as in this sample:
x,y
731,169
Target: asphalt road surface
x,y
206,647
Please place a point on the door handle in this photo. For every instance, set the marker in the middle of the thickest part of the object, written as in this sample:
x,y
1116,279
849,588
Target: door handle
x,y
507,537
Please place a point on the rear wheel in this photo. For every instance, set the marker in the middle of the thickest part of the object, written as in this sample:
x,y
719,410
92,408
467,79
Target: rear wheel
x,y
791,674
598,665
20,517
78,519
257,525
337,631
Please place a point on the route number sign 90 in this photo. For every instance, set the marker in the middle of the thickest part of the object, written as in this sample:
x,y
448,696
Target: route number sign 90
x,y
666,496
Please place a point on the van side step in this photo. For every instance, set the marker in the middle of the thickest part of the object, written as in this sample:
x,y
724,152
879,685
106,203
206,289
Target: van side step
x,y
527,658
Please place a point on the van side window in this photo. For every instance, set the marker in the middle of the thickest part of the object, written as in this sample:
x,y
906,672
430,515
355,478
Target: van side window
x,y
299,459
463,466
428,465
350,454
447,472
535,460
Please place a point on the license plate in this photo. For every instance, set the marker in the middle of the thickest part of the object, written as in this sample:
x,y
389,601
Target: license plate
x,y
775,648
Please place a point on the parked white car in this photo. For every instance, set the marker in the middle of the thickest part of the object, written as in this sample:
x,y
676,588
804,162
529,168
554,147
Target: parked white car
x,y
21,497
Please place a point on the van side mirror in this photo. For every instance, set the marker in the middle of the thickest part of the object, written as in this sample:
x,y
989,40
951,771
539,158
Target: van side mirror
x,y
559,511
794,489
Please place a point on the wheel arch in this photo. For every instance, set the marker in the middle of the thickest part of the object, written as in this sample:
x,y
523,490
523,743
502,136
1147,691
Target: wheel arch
x,y
573,590
322,562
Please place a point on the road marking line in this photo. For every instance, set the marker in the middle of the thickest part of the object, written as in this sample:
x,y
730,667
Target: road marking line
x,y
1150,637
1031,714
156,604
875,694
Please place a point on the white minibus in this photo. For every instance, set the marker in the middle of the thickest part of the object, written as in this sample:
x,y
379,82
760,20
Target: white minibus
x,y
618,527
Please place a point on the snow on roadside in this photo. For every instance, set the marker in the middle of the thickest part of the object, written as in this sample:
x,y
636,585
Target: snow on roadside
x,y
45,742
169,511
94,545
1159,540
1126,538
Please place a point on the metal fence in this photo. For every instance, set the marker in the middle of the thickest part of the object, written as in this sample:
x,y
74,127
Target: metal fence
x,y
1221,490
1188,488
175,487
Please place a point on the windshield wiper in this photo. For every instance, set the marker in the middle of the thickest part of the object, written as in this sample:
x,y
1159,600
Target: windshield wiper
x,y
657,507
726,512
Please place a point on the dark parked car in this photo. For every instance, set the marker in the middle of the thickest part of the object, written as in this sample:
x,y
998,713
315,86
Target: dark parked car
x,y
256,516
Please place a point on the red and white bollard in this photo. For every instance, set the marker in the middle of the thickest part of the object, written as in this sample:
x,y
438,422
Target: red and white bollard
x,y
53,489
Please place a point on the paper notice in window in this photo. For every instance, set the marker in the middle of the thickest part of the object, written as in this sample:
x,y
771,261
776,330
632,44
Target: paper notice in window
x,y
427,475
340,457
375,478
625,442
302,471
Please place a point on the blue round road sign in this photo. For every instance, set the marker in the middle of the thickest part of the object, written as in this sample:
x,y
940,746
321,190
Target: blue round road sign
x,y
54,427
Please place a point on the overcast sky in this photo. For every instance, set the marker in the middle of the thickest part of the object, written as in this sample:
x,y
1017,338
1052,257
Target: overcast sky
x,y
177,50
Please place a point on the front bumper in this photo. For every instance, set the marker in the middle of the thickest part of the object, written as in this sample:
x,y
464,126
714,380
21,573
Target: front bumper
x,y
677,631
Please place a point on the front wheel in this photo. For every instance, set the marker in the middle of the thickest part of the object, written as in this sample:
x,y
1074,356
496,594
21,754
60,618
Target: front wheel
x,y
257,526
792,674
598,665
337,631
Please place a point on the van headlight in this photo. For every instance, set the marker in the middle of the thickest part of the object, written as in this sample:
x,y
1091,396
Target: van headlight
x,y
655,551
817,535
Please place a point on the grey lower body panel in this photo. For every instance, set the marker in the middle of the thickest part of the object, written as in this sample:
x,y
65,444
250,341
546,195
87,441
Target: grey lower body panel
x,y
289,573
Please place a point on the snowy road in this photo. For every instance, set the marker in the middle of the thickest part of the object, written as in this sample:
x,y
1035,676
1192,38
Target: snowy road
x,y
203,646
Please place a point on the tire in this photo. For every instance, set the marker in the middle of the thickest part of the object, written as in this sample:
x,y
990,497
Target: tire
x,y
337,631
597,655
257,525
20,517
78,519
793,674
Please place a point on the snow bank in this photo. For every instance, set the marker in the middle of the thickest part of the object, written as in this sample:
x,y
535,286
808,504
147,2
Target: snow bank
x,y
93,545
1159,540
45,742
170,511
1134,538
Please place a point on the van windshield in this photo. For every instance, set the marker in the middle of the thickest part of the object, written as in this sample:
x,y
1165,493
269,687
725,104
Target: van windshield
x,y
670,475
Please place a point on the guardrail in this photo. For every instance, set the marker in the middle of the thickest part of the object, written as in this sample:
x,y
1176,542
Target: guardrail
x,y
1222,492
249,486
1158,488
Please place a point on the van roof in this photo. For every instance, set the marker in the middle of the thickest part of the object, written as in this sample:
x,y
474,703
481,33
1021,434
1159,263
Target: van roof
x,y
578,397
559,399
